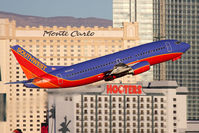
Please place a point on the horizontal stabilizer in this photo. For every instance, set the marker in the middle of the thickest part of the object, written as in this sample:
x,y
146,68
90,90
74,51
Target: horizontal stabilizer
x,y
20,82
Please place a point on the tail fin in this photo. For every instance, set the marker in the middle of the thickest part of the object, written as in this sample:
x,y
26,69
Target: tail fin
x,y
31,66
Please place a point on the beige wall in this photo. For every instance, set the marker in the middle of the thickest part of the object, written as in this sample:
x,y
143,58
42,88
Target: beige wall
x,y
26,108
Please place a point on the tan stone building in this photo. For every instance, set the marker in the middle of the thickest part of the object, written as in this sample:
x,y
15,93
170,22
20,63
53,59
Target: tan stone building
x,y
26,108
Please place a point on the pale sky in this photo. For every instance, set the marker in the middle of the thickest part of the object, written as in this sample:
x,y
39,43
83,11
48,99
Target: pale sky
x,y
50,8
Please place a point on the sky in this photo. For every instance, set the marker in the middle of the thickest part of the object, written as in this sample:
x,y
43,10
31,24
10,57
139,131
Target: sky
x,y
51,8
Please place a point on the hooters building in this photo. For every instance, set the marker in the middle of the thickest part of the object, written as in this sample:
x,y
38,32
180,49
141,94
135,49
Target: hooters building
x,y
145,107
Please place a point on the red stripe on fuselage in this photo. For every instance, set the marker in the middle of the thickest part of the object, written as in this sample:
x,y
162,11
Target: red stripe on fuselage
x,y
141,70
152,60
72,83
158,58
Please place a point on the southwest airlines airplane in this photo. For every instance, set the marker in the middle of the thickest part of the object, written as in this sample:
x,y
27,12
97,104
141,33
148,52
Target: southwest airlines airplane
x,y
131,61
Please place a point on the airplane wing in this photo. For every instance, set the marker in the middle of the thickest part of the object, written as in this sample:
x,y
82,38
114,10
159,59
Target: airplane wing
x,y
122,69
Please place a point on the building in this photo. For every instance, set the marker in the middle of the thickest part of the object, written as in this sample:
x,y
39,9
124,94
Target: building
x,y
178,19
3,110
160,108
140,11
26,108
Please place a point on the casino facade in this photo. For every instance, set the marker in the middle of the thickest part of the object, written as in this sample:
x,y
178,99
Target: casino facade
x,y
62,46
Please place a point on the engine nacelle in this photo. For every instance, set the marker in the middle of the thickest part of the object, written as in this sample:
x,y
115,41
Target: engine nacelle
x,y
140,67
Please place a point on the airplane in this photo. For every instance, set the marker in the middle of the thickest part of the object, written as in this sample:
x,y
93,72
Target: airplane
x,y
131,61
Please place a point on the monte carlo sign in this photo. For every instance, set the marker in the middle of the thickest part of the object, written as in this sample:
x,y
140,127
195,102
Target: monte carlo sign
x,y
74,33
123,89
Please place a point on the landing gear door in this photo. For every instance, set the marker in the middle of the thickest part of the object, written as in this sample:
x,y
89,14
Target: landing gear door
x,y
168,45
60,79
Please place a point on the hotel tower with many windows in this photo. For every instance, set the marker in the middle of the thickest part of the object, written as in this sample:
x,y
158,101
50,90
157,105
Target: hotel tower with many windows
x,y
62,46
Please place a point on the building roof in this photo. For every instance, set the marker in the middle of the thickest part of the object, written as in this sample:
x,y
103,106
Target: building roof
x,y
160,84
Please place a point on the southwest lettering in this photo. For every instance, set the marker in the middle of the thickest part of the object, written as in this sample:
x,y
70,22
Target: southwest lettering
x,y
31,59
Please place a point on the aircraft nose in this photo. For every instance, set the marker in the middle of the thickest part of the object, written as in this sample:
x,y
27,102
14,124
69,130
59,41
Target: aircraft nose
x,y
186,47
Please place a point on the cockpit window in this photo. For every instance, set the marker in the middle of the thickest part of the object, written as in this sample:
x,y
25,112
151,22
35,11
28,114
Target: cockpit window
x,y
178,42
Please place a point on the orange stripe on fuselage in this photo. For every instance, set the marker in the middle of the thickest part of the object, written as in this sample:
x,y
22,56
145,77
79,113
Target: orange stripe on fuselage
x,y
35,71
41,84
158,58
72,83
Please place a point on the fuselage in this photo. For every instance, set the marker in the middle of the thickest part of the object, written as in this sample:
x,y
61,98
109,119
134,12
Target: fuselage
x,y
94,70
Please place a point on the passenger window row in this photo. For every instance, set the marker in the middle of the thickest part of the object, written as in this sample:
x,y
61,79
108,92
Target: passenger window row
x,y
150,51
97,67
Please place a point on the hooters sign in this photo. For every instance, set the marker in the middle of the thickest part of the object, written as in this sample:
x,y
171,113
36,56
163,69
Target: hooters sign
x,y
124,89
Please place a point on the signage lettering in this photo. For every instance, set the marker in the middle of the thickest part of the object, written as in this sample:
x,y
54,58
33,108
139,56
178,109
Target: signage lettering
x,y
124,89
66,33
31,59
